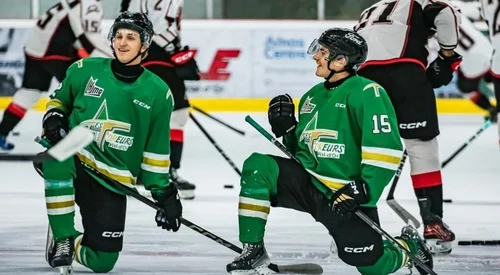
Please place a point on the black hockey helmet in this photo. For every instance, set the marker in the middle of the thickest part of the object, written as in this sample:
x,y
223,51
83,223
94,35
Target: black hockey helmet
x,y
136,21
342,42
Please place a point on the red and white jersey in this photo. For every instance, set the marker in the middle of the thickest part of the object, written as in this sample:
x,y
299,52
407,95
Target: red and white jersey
x,y
491,13
68,25
398,30
165,16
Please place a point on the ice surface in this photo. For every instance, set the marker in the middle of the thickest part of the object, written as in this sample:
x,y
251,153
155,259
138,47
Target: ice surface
x,y
471,180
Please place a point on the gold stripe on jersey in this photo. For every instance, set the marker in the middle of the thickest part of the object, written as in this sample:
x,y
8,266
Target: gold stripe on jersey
x,y
332,183
381,157
55,103
122,176
155,163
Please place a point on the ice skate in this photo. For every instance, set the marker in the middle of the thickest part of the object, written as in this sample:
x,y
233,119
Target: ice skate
x,y
186,189
252,261
438,236
5,146
417,247
59,254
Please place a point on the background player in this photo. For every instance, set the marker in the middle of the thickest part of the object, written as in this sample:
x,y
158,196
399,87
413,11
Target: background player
x,y
490,14
346,136
128,108
174,64
68,31
397,34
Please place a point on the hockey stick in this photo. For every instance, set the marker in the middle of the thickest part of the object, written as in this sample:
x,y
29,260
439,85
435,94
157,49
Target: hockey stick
x,y
218,120
485,125
396,207
391,201
306,268
358,213
77,139
231,163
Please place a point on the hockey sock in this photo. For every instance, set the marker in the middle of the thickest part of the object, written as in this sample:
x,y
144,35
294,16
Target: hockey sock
x,y
175,153
480,100
434,194
97,261
60,201
11,117
391,261
259,179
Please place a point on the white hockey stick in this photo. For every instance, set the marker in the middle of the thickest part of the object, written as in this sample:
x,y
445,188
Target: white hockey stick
x,y
77,139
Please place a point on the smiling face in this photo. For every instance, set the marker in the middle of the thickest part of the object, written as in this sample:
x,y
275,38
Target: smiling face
x,y
127,44
321,58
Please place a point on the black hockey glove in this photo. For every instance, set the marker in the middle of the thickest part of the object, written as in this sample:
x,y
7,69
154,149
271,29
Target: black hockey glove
x,y
185,65
281,115
440,71
348,198
170,202
55,125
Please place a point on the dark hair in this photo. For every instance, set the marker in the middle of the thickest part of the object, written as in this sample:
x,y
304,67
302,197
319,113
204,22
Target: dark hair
x,y
125,5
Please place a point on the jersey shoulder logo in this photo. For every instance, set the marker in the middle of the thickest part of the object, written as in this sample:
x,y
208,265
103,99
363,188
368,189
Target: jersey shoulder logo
x,y
307,107
92,89
376,88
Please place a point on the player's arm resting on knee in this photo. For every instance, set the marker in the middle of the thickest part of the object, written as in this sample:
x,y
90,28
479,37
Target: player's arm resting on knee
x,y
381,147
445,19
154,173
55,122
281,117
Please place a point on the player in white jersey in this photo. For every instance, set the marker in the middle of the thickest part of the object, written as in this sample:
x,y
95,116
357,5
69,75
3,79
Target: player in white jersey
x,y
490,11
476,50
397,35
68,31
174,64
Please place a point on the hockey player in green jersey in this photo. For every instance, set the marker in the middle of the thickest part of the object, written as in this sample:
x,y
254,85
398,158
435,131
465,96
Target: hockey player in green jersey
x,y
348,143
128,109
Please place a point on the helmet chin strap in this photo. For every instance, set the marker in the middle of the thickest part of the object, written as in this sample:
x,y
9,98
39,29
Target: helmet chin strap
x,y
332,72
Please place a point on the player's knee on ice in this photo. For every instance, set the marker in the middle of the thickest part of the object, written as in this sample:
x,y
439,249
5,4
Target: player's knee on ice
x,y
101,262
259,172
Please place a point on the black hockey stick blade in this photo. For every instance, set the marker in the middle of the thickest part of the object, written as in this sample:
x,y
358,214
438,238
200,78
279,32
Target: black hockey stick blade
x,y
77,139
403,213
298,268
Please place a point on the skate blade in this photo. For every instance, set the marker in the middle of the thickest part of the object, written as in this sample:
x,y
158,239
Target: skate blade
x,y
66,270
186,194
438,247
263,270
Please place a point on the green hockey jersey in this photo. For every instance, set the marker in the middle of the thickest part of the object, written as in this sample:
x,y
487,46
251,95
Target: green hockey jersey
x,y
130,122
347,133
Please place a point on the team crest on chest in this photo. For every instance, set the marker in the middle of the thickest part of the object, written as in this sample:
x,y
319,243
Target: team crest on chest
x,y
322,143
105,130
92,89
307,107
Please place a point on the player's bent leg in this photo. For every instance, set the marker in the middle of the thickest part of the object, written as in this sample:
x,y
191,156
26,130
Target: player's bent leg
x,y
95,260
60,203
427,183
470,88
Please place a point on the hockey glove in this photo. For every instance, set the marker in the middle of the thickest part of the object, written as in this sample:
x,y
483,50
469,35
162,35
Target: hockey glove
x,y
281,115
348,198
55,125
440,71
185,65
170,202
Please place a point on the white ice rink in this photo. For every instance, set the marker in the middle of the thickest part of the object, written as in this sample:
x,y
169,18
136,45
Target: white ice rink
x,y
471,180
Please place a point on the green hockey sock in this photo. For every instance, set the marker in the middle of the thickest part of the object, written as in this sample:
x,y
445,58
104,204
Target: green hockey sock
x,y
258,181
60,203
97,261
391,261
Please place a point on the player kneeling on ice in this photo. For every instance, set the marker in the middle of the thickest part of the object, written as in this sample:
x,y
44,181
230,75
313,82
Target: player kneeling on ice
x,y
128,108
348,143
